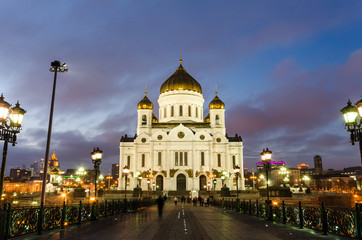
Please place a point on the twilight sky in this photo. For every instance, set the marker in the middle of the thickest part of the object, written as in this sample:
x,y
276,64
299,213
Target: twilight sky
x,y
284,69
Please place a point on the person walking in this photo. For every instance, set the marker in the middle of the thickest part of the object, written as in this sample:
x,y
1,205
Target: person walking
x,y
175,199
160,204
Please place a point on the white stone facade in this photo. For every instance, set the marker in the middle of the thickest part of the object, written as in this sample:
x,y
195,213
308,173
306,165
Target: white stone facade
x,y
181,151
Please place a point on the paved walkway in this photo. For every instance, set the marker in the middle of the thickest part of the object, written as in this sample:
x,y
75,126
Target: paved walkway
x,y
181,222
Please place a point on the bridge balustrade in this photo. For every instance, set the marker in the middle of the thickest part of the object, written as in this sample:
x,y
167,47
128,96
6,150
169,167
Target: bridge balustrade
x,y
17,221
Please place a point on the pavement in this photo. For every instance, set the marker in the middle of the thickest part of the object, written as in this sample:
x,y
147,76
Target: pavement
x,y
183,221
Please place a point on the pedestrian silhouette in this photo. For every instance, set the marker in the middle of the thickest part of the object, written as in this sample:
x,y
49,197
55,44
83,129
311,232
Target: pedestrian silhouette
x,y
160,206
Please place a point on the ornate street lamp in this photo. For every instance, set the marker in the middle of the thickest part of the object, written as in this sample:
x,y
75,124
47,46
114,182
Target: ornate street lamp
x,y
353,118
97,160
56,67
236,172
266,157
148,184
125,172
10,125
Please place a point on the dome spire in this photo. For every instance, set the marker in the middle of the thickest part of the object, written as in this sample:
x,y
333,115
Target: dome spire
x,y
215,89
180,57
145,90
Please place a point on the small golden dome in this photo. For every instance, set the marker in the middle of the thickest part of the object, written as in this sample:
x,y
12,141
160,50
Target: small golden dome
x,y
180,80
145,103
154,119
207,119
216,103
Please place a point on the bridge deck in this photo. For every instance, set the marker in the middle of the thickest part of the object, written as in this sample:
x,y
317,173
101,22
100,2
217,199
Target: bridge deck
x,y
181,222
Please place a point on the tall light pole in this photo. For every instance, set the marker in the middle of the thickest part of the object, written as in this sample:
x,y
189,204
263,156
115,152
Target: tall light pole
x,y
56,67
236,172
148,186
97,160
353,118
10,125
125,172
266,157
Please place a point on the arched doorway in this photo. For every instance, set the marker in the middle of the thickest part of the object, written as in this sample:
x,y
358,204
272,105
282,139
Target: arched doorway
x,y
159,182
202,182
181,182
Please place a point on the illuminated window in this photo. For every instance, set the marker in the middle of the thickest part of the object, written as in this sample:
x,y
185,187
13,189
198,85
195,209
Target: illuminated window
x,y
159,158
143,160
202,159
219,160
181,159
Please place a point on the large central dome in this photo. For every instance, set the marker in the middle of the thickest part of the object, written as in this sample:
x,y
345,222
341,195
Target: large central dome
x,y
180,80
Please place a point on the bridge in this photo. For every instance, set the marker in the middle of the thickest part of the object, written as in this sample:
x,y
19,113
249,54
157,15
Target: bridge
x,y
185,221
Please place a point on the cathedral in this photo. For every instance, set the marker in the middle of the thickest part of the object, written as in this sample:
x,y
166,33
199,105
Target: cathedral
x,y
181,150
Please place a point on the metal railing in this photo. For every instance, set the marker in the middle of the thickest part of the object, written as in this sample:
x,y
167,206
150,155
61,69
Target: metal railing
x,y
17,221
339,221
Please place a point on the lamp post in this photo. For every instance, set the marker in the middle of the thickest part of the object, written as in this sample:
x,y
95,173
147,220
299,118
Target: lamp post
x,y
148,186
266,157
97,160
125,172
214,182
139,186
153,186
109,177
236,172
353,118
10,125
56,67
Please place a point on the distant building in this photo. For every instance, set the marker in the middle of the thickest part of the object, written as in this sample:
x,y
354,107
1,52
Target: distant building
x,y
318,165
303,166
115,171
20,174
273,165
35,168
53,164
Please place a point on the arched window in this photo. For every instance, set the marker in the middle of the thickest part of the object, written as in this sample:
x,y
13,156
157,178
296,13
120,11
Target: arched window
x,y
217,120
176,159
181,110
171,111
144,120
185,158
164,112
233,161
181,159
197,112
159,158
219,160
128,161
202,159
143,160
189,111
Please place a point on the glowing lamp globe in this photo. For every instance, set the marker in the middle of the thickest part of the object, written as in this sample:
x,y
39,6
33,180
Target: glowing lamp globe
x,y
350,114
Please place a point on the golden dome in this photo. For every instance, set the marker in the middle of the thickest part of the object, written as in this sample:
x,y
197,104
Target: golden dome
x,y
145,103
207,119
181,80
216,103
154,119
